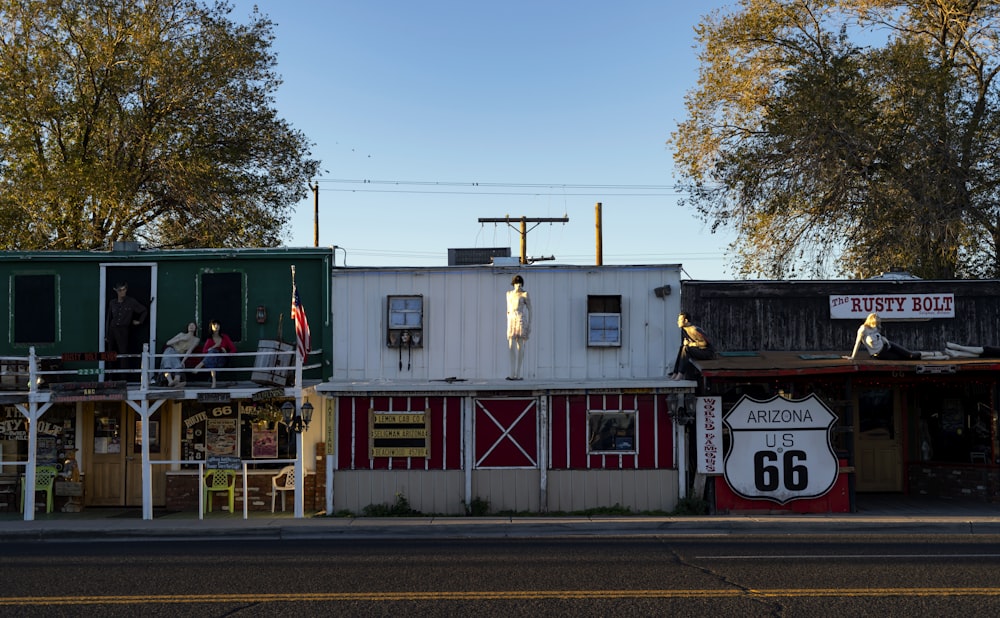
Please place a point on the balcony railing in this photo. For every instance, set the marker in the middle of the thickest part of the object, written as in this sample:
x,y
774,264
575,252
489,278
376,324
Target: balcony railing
x,y
274,367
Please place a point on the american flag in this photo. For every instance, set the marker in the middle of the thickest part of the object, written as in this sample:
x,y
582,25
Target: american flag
x,y
302,336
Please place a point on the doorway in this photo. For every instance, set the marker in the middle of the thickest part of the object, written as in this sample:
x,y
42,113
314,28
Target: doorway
x,y
113,445
878,446
141,281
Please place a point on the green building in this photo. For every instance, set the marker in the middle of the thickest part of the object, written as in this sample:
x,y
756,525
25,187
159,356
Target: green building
x,y
76,388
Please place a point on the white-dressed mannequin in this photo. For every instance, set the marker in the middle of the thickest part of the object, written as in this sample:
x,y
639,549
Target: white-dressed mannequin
x,y
179,348
518,325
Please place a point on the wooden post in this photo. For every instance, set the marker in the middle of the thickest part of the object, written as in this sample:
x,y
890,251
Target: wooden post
x,y
600,246
315,189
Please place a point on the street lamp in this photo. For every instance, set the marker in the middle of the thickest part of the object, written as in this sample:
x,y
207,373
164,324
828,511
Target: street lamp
x,y
295,422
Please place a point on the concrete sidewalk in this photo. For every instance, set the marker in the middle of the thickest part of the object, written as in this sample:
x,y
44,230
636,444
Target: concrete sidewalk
x,y
898,516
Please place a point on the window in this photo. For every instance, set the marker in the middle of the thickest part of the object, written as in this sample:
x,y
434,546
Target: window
x,y
248,430
611,431
34,309
604,321
406,322
222,299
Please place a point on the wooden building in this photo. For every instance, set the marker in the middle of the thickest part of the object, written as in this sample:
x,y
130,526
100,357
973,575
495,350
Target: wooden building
x,y
923,427
68,402
423,407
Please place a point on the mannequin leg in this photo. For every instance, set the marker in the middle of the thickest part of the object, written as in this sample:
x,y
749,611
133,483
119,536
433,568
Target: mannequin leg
x,y
520,358
975,350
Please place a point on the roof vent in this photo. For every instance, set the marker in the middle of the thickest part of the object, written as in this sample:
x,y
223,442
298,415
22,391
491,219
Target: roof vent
x,y
125,246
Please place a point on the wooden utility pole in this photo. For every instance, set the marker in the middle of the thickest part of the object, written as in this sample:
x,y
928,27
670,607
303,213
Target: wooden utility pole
x,y
524,229
600,240
315,189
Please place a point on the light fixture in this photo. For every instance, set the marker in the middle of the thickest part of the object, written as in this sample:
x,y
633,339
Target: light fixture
x,y
662,292
295,422
261,314
682,407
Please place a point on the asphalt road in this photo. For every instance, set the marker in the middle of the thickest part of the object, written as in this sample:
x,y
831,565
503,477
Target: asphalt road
x,y
608,576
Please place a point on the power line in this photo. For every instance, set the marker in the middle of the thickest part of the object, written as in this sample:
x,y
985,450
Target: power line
x,y
514,193
504,185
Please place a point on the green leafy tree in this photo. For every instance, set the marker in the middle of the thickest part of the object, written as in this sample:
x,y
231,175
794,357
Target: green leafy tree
x,y
848,136
147,120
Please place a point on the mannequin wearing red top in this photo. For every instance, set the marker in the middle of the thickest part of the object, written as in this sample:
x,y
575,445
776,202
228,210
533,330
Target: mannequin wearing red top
x,y
217,345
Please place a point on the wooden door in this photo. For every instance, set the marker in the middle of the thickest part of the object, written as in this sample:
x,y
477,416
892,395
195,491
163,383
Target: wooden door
x,y
104,454
878,443
114,455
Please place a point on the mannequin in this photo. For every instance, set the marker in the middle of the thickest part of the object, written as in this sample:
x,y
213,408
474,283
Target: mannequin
x,y
216,347
694,344
954,350
179,348
870,336
518,325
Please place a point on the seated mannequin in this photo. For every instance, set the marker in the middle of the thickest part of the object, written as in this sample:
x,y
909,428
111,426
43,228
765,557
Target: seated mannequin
x,y
217,346
176,354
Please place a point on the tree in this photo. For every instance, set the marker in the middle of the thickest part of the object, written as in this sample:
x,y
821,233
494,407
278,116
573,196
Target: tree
x,y
824,154
147,120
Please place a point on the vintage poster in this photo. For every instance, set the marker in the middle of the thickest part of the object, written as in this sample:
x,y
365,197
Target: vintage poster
x,y
221,437
265,443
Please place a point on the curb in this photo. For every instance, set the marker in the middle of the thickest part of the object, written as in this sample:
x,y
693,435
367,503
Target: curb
x,y
311,529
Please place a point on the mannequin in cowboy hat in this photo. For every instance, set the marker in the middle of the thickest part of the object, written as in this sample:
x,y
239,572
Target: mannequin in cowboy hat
x,y
124,312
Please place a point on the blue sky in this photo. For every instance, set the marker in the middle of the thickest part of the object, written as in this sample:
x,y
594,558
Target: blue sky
x,y
550,106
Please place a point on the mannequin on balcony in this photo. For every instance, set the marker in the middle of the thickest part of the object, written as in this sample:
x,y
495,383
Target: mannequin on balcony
x,y
178,351
217,347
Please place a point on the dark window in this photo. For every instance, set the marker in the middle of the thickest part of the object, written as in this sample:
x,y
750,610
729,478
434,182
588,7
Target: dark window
x,y
222,299
34,309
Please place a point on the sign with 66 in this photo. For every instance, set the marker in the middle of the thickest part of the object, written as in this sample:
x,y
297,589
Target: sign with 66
x,y
780,449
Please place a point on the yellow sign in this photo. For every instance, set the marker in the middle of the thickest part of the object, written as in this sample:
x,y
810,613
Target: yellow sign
x,y
399,433
397,452
399,419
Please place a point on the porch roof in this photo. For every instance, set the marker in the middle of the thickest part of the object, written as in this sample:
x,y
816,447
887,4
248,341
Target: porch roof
x,y
502,386
773,364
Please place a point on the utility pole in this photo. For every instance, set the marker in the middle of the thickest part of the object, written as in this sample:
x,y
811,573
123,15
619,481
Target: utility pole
x,y
315,189
524,229
600,234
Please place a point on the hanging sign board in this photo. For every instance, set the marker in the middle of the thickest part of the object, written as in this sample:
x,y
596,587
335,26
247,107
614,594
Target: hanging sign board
x,y
73,357
222,462
89,391
892,306
780,449
708,434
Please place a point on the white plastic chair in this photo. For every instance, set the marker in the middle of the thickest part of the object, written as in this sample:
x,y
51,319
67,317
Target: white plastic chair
x,y
288,485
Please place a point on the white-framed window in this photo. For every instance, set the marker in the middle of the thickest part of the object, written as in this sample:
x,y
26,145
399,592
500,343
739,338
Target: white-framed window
x,y
405,323
604,321
611,431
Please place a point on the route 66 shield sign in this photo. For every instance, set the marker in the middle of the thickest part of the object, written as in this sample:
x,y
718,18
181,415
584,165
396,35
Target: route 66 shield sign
x,y
780,449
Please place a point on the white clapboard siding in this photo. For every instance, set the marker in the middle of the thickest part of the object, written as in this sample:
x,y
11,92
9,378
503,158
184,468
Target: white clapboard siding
x,y
465,322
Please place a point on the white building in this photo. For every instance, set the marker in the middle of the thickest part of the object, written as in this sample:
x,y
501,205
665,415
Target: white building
x,y
422,407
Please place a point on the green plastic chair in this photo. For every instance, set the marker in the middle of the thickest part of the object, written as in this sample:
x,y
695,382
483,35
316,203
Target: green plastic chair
x,y
45,480
218,481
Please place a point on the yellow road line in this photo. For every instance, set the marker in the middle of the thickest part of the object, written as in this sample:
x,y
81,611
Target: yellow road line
x,y
491,595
